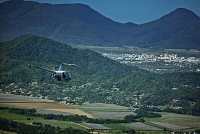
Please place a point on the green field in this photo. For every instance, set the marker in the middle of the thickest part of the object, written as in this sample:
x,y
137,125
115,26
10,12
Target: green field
x,y
171,117
173,121
5,132
120,126
111,111
20,98
18,117
23,119
101,107
169,121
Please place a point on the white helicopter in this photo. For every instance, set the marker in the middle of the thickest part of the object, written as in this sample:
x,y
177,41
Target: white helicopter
x,y
56,74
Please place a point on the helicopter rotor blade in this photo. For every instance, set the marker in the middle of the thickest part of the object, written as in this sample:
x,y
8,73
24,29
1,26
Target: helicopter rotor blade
x,y
38,67
69,64
66,64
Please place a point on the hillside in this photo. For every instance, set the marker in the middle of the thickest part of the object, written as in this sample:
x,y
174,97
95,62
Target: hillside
x,y
78,24
96,79
178,29
93,69
68,23
28,48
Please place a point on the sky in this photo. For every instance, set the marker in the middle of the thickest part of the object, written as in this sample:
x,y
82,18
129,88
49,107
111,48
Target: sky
x,y
135,11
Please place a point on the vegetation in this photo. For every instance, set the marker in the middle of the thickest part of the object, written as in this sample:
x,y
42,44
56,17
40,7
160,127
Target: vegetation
x,y
145,112
96,79
80,118
166,117
73,118
35,128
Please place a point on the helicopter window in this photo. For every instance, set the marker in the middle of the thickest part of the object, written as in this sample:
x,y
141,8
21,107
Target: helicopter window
x,y
63,74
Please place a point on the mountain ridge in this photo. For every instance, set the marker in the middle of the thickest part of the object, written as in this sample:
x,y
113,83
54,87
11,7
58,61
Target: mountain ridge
x,y
79,24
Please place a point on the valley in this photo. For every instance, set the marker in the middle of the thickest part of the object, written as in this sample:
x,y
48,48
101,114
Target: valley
x,y
97,79
168,122
67,69
156,61
113,97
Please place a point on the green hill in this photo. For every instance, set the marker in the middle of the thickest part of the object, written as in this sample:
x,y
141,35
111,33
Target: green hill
x,y
96,79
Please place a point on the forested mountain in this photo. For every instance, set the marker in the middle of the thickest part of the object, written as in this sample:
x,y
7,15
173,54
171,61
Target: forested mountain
x,y
78,24
68,23
178,29
96,79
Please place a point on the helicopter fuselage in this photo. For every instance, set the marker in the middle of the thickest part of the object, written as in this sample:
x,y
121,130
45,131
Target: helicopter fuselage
x,y
57,74
61,74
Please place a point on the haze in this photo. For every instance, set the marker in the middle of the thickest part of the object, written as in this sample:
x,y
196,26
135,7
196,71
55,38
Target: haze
x,y
135,11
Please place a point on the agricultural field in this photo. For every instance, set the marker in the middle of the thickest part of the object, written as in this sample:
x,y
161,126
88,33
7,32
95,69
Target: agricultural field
x,y
112,115
9,100
168,121
5,132
23,119
96,126
172,117
143,126
111,111
47,106
170,126
20,98
173,121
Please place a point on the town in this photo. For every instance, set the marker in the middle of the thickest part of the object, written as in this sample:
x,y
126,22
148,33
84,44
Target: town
x,y
158,63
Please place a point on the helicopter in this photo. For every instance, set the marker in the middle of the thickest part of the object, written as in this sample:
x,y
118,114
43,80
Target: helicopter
x,y
56,74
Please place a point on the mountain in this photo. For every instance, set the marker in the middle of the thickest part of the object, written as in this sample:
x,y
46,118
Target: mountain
x,y
96,79
78,24
178,29
68,23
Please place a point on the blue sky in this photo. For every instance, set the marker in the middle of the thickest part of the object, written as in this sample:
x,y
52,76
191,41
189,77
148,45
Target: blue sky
x,y
136,11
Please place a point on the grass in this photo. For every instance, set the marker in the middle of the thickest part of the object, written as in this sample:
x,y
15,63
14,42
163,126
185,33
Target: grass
x,y
120,126
105,111
12,116
14,98
96,126
54,107
6,132
155,125
111,115
171,117
101,107
173,121
109,111
63,124
23,119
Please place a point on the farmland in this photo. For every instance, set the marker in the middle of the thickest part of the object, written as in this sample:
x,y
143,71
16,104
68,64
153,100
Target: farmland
x,y
23,119
39,105
20,98
47,106
171,117
168,121
111,111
